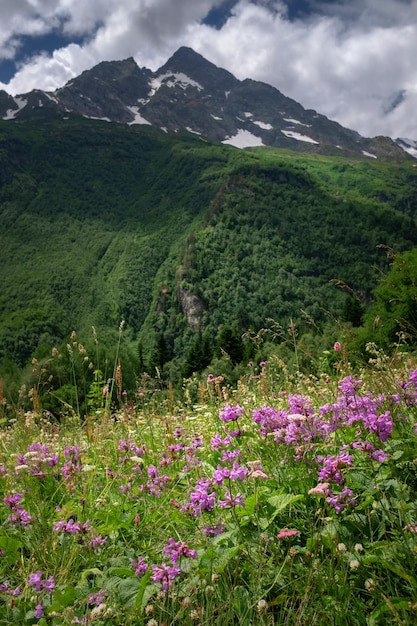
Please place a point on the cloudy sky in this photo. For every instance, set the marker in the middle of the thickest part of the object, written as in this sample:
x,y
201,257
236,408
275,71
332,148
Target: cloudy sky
x,y
352,60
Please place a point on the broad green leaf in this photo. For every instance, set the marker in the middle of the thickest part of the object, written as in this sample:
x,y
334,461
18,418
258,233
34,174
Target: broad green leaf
x,y
208,466
92,571
10,547
400,571
223,559
145,590
122,572
241,602
249,508
281,502
128,590
376,617
62,598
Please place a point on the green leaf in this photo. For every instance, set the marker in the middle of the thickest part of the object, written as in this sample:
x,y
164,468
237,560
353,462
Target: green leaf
x,y
62,598
329,533
376,617
397,455
249,508
400,571
10,547
128,590
122,571
223,559
208,466
92,571
281,502
241,603
145,591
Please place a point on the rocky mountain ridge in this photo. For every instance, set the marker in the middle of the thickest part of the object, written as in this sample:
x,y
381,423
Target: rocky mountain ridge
x,y
190,93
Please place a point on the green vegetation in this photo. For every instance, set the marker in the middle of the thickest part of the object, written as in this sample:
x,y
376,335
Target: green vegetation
x,y
289,500
194,245
221,439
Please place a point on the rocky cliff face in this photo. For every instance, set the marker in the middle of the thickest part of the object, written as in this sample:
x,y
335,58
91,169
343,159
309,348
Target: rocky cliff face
x,y
190,93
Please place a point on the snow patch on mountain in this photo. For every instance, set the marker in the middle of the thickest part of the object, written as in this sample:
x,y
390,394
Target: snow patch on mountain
x,y
139,119
369,154
101,119
244,139
293,135
172,80
51,97
293,121
263,125
408,145
11,113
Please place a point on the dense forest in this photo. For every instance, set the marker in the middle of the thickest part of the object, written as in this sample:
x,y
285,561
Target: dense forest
x,y
207,253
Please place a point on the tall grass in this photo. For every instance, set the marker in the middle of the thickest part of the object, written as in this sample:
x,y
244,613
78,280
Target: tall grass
x,y
288,500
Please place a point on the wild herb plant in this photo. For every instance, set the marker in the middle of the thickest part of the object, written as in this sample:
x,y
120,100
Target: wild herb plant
x,y
287,500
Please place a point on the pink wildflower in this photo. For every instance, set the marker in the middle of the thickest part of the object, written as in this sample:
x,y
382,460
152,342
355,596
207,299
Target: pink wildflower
x,y
287,532
322,489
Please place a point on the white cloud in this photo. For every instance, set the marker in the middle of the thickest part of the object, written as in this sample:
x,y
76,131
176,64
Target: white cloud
x,y
348,60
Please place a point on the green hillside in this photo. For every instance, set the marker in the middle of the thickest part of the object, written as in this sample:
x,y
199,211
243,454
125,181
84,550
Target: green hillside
x,y
181,237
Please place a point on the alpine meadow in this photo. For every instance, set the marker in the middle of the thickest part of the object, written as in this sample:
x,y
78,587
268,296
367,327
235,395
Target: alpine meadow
x,y
208,376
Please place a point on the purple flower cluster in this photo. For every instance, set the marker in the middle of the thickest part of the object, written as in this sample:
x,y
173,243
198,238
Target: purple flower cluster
x,y
231,413
298,425
84,533
165,575
218,442
215,530
333,466
39,584
38,460
72,465
129,448
18,515
140,566
269,420
302,426
72,528
156,481
369,449
229,456
96,598
408,390
365,409
231,501
177,549
186,449
236,472
203,497
5,588
341,500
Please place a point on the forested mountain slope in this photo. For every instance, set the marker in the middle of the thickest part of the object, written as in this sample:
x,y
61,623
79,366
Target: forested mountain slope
x,y
177,235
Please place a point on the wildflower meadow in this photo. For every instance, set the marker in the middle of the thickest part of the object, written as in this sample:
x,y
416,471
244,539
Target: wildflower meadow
x,y
287,499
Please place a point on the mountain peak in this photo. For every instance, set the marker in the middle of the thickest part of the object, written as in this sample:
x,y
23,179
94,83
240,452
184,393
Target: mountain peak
x,y
199,69
185,56
191,93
